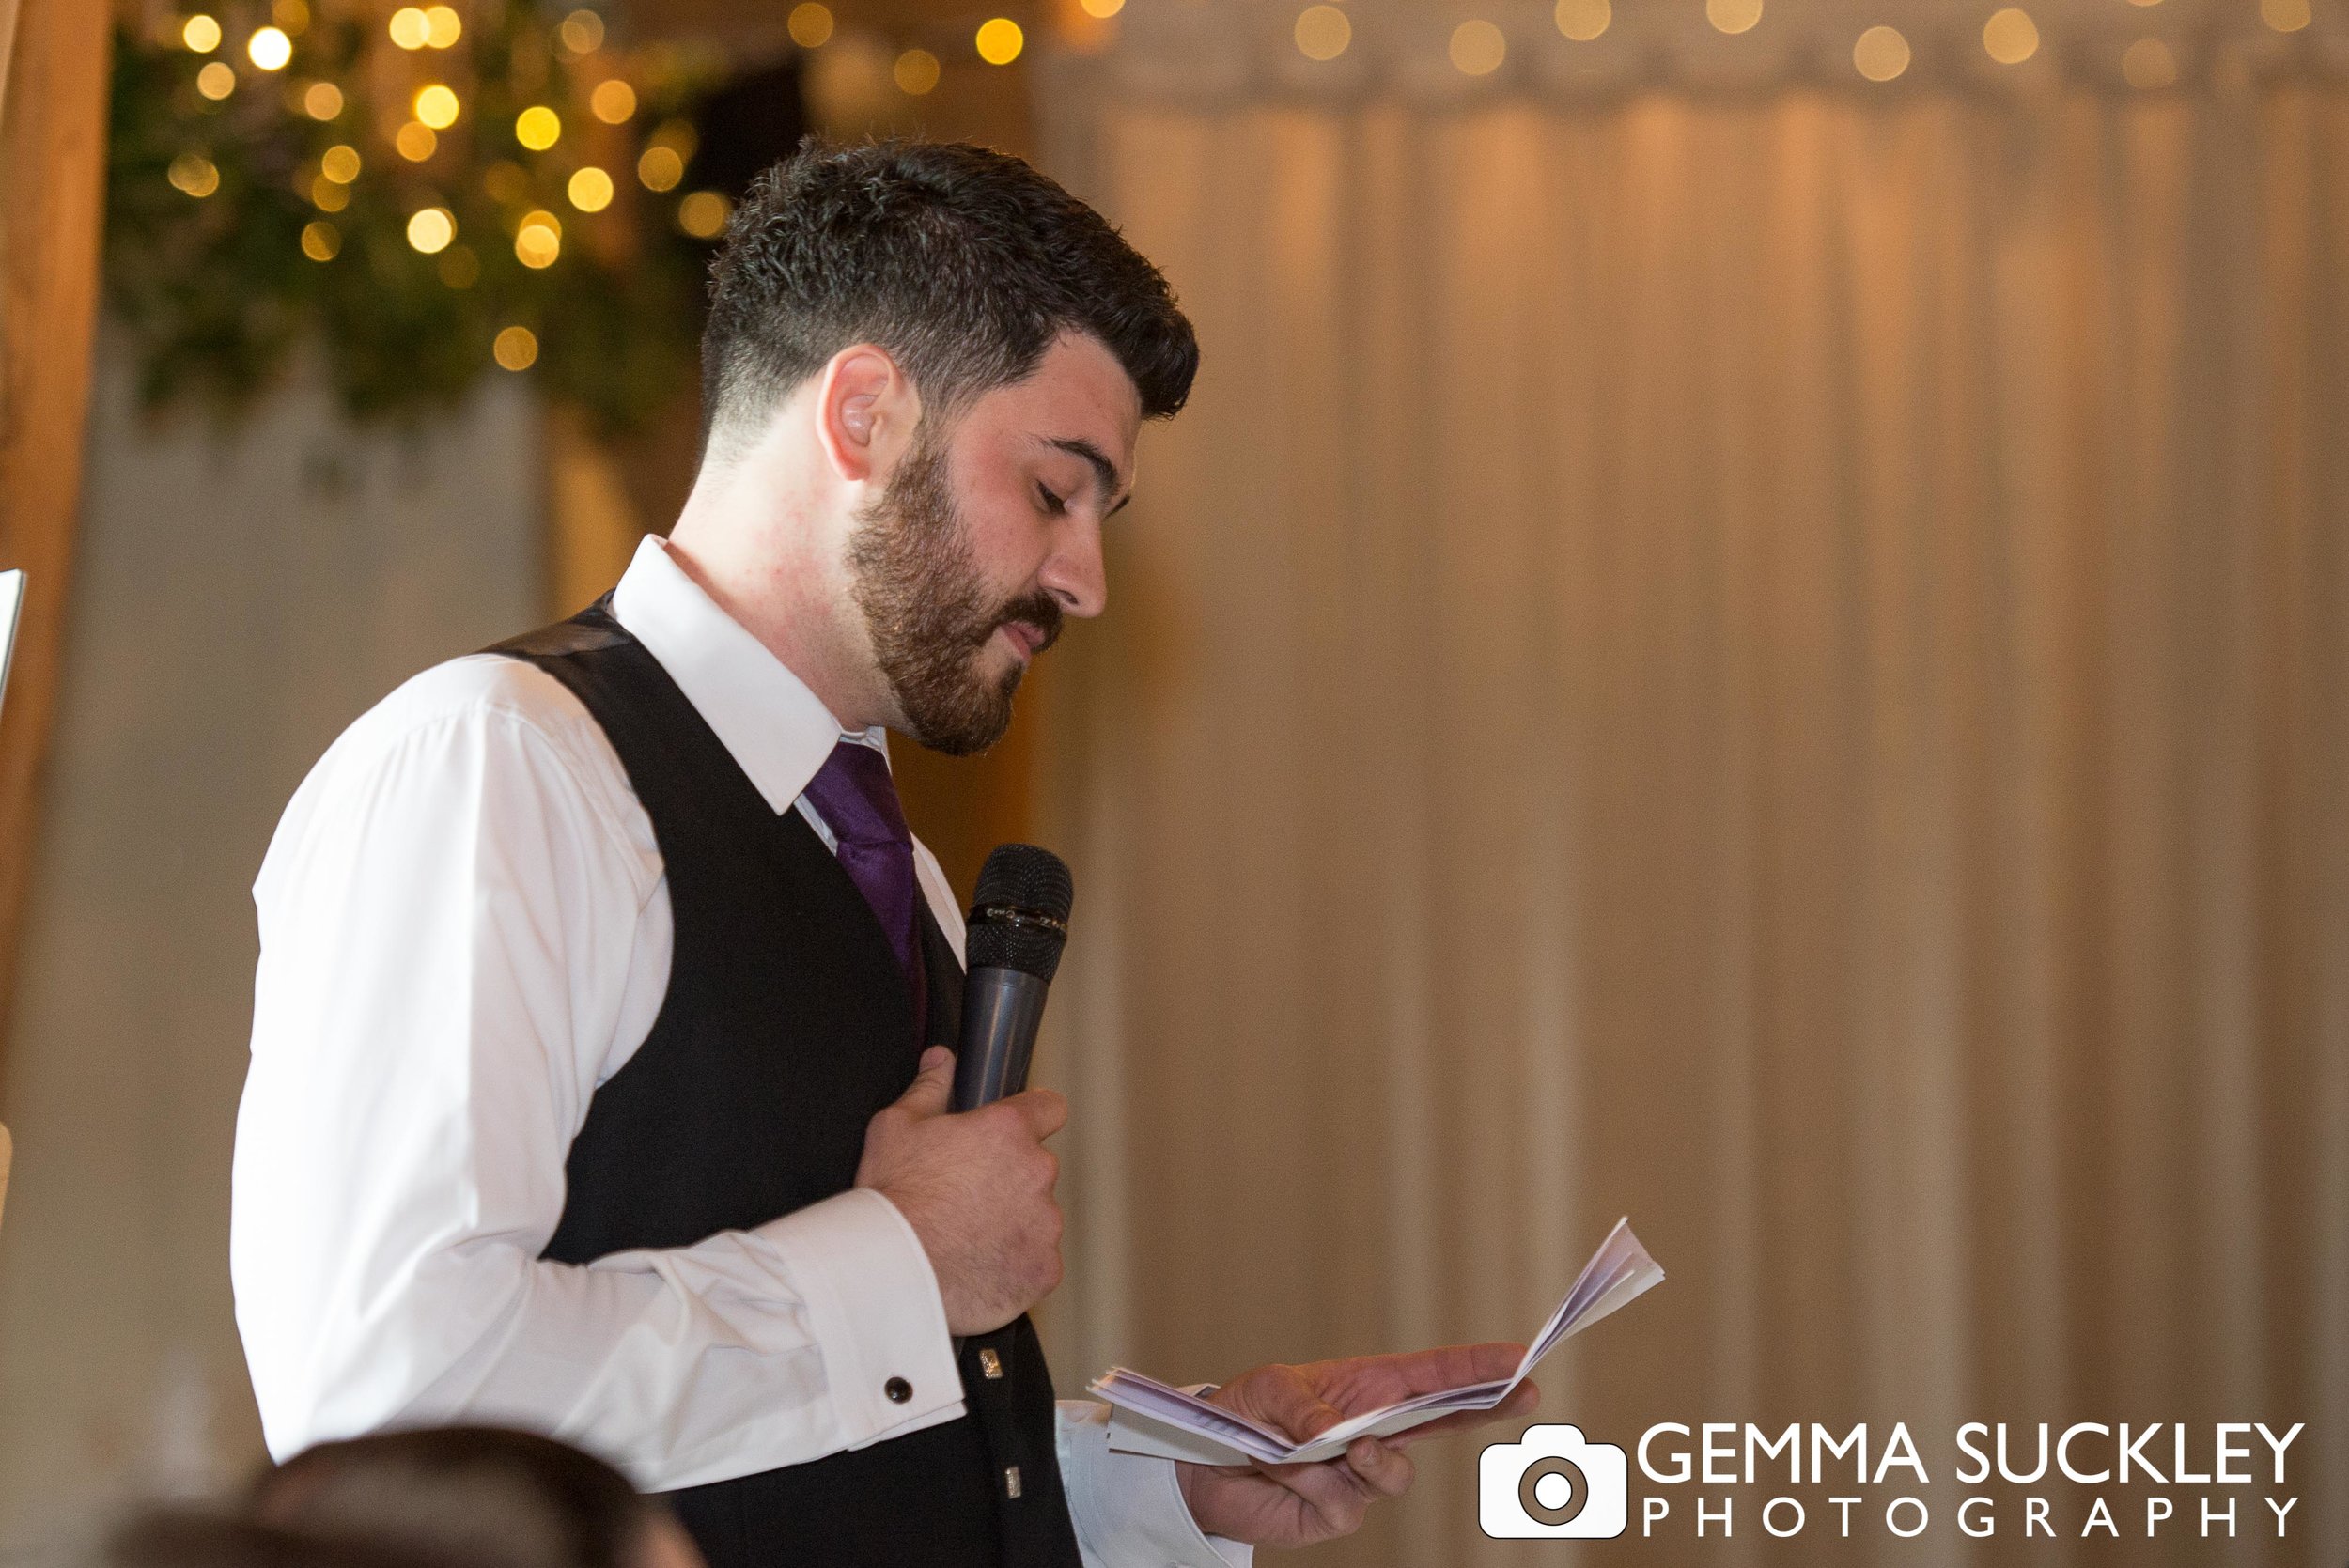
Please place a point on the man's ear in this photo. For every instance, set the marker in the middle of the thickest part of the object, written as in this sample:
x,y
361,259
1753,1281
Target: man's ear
x,y
866,410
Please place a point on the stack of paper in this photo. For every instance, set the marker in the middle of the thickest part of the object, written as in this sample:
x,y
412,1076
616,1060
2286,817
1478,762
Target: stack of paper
x,y
1150,1417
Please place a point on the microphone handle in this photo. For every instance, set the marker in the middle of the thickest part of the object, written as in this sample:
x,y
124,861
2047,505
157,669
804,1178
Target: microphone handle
x,y
1000,1009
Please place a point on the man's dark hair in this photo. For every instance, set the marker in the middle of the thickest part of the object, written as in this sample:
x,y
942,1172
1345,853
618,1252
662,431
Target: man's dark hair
x,y
470,1497
963,263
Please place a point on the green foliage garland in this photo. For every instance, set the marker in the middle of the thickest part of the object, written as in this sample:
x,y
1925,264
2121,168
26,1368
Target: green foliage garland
x,y
212,201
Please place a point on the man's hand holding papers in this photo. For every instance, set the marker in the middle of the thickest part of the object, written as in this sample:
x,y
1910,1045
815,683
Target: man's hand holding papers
x,y
1297,1504
1289,1455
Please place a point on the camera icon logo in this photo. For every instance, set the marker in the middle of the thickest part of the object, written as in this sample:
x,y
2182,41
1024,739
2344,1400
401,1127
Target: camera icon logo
x,y
1552,1483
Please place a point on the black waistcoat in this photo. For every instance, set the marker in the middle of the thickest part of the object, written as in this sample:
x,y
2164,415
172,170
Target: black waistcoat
x,y
786,1025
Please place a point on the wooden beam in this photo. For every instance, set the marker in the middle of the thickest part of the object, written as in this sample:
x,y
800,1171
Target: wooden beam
x,y
7,41
53,146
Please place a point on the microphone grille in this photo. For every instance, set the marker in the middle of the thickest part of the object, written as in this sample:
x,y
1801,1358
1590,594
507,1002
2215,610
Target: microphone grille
x,y
1026,878
1019,919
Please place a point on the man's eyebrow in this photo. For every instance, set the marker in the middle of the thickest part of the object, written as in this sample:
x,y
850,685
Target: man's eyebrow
x,y
1104,471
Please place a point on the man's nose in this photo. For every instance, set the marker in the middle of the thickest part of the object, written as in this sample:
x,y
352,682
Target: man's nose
x,y
1074,574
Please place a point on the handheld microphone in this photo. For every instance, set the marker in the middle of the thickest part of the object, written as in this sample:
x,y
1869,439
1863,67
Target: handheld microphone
x,y
1018,923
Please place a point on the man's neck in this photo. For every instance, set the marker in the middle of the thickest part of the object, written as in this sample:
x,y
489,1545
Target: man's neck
x,y
770,576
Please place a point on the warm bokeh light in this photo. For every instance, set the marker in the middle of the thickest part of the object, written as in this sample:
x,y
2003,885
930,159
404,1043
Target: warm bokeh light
x,y
2147,64
999,41
200,33
340,164
516,348
1584,19
590,189
329,197
1101,11
660,168
1734,16
269,48
1323,32
442,27
323,101
539,240
292,15
613,102
431,228
916,73
415,142
321,241
538,128
810,25
2010,37
409,28
2285,16
582,32
1478,48
216,81
704,214
1881,53
436,106
193,174
459,268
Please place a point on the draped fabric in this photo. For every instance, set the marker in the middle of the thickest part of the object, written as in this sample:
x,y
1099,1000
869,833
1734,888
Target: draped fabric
x,y
1778,664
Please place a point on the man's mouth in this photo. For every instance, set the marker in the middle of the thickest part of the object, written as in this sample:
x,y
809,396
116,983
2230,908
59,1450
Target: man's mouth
x,y
1027,641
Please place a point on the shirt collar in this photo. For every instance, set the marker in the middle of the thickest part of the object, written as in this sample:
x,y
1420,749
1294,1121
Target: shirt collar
x,y
778,732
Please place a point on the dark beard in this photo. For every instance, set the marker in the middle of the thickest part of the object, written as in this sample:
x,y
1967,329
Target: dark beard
x,y
927,611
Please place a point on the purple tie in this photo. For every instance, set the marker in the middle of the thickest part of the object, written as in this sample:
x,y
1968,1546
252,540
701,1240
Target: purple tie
x,y
858,801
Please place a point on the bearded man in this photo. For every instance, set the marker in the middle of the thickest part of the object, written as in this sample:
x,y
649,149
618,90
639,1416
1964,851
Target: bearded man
x,y
599,1047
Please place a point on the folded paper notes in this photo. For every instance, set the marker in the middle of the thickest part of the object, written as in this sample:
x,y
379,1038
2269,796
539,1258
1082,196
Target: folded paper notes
x,y
1151,1417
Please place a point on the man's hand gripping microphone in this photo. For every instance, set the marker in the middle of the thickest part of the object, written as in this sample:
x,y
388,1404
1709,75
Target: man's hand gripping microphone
x,y
967,1166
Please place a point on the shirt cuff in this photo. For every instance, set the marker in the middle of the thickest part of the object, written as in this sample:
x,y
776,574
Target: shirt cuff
x,y
874,1311
1128,1509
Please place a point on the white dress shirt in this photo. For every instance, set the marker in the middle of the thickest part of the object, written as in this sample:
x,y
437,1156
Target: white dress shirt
x,y
465,930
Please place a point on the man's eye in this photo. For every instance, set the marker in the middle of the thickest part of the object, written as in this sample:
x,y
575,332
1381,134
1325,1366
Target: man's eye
x,y
1052,503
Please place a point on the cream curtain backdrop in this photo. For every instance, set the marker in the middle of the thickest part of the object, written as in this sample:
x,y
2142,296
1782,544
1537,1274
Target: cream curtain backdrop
x,y
1773,662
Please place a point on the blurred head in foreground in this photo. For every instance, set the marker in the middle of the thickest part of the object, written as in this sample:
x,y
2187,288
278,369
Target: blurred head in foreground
x,y
463,1498
176,1537
923,374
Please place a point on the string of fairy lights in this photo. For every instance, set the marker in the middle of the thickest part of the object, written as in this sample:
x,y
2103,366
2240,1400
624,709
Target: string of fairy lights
x,y
436,106
495,138
433,192
1324,31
